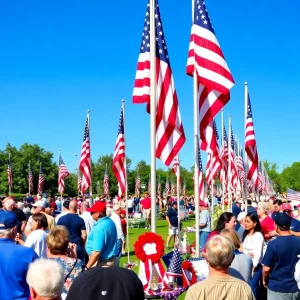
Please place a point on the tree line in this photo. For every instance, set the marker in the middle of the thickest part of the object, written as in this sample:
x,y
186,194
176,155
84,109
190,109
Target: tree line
x,y
288,178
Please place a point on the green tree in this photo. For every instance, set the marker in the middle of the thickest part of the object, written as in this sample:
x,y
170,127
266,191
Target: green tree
x,y
272,171
290,177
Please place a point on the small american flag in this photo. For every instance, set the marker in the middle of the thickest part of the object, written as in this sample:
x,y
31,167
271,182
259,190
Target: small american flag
x,y
174,268
167,187
106,182
137,185
250,145
62,173
85,159
159,187
224,158
172,187
175,166
170,135
119,158
184,188
234,174
79,180
200,176
41,181
9,173
149,185
206,58
30,179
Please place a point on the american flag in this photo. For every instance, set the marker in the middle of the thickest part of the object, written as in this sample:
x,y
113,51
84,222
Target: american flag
x,y
30,179
62,173
174,268
41,181
167,187
170,135
250,145
119,159
200,177
206,58
175,167
292,195
9,173
137,185
79,181
85,159
159,187
224,158
149,185
240,166
184,188
172,187
234,174
106,182
260,180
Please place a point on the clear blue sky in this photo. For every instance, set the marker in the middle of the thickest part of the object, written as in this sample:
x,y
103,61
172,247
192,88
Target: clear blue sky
x,y
60,58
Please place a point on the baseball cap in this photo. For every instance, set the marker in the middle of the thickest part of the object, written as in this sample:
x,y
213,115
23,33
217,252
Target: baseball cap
x,y
202,203
286,206
7,219
282,220
106,283
39,203
66,204
174,203
97,207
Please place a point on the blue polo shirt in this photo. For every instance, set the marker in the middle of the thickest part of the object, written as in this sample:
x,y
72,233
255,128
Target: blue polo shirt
x,y
103,239
14,263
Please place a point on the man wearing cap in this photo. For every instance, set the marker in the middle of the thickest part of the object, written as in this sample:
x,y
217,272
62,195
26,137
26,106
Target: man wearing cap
x,y
204,223
101,244
280,260
295,224
14,260
64,211
173,222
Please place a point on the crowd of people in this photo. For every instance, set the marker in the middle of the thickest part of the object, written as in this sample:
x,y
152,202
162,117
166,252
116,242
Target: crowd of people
x,y
70,248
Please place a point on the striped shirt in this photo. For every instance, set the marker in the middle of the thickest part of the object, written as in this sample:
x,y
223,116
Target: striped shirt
x,y
212,288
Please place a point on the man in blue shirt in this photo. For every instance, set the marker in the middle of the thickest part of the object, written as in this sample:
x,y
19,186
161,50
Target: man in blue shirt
x,y
14,260
236,207
101,245
173,222
280,260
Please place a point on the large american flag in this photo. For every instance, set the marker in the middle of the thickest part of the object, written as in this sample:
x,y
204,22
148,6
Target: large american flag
x,y
137,185
30,179
106,182
119,158
250,145
292,195
85,166
206,58
62,173
41,181
9,173
170,135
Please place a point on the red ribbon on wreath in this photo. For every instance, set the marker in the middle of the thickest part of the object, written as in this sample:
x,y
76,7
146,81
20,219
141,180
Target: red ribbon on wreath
x,y
149,249
189,274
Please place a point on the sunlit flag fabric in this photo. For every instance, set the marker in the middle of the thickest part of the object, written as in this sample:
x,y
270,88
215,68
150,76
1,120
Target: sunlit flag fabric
x,y
170,135
62,174
9,174
206,58
85,159
119,158
30,179
106,182
41,181
137,185
292,195
250,145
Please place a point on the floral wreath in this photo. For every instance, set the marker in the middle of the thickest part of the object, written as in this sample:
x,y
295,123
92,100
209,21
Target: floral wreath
x,y
149,238
188,266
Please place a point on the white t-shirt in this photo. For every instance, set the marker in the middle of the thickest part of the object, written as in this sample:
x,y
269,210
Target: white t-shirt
x,y
88,220
130,203
37,241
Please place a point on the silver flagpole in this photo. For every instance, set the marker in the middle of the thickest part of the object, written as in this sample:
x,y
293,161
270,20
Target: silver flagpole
x,y
9,183
29,179
178,197
153,113
245,153
89,126
229,166
223,169
59,151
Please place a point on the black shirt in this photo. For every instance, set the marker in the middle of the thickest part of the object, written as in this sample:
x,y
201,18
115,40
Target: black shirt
x,y
173,216
20,217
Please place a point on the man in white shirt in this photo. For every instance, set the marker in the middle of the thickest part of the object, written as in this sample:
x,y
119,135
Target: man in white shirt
x,y
65,210
86,216
115,216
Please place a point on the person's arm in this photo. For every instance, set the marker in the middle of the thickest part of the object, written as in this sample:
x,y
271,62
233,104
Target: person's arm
x,y
94,257
258,241
28,228
265,275
168,220
23,226
83,235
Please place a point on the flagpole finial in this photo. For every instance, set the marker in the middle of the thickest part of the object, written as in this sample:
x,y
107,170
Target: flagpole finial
x,y
123,101
246,83
88,111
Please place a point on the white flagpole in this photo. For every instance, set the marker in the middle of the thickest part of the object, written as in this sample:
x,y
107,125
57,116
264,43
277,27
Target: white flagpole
x,y
223,167
153,113
229,166
245,153
89,126
178,196
9,184
59,151
29,178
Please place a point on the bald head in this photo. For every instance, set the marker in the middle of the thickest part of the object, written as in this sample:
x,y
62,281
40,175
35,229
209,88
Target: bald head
x,y
9,204
73,206
84,206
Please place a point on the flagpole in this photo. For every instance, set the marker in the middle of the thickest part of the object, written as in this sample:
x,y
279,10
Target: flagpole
x,y
9,183
212,203
39,176
223,167
29,179
245,153
153,113
236,166
126,189
178,197
89,126
59,151
229,166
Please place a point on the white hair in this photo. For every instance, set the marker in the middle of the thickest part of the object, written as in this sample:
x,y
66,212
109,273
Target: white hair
x,y
8,203
46,277
20,205
7,232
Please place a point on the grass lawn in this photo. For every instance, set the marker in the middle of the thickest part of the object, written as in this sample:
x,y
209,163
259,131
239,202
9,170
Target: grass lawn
x,y
162,230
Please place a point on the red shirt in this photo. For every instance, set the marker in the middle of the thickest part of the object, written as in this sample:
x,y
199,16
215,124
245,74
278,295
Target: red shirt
x,y
124,226
267,225
146,202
